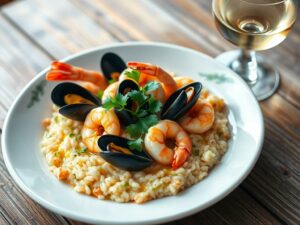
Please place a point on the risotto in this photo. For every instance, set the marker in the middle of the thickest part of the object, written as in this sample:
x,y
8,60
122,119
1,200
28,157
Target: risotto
x,y
70,161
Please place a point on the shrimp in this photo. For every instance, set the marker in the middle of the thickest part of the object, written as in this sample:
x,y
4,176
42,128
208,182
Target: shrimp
x,y
110,91
99,121
167,81
94,89
199,118
158,94
183,81
155,143
64,71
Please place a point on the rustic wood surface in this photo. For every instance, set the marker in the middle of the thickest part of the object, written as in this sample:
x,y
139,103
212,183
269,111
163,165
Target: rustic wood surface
x,y
34,32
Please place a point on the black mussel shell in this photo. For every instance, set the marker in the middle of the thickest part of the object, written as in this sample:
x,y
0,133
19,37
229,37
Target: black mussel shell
x,y
76,111
130,162
124,87
112,63
127,85
61,90
124,117
177,105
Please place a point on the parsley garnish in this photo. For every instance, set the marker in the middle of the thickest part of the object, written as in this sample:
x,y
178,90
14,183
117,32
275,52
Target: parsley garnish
x,y
144,112
111,81
83,150
100,94
136,144
133,74
71,135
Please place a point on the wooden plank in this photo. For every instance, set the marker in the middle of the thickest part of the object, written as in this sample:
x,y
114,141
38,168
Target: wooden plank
x,y
238,202
57,23
18,208
20,60
142,21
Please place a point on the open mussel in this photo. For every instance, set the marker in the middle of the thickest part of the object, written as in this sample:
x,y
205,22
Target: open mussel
x,y
126,86
75,102
112,66
116,151
181,101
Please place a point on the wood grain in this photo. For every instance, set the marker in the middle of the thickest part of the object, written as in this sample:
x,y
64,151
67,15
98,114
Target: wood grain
x,y
55,24
270,195
20,60
17,208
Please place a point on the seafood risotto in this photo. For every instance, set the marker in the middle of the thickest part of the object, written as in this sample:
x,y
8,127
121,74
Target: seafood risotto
x,y
146,135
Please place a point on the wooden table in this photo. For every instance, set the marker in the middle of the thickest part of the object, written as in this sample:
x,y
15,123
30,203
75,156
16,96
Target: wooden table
x,y
32,33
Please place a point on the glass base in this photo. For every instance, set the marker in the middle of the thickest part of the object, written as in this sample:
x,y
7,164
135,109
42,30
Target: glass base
x,y
268,78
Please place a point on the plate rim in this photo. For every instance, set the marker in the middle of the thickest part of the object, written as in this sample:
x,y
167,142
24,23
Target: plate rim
x,y
168,218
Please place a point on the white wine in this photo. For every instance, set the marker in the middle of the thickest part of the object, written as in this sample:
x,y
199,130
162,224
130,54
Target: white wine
x,y
255,24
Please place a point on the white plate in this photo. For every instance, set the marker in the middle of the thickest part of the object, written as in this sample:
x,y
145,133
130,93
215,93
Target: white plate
x,y
22,134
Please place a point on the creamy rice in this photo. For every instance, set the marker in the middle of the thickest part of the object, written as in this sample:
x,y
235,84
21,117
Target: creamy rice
x,y
88,173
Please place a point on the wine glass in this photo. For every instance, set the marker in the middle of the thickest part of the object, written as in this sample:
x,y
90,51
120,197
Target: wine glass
x,y
254,25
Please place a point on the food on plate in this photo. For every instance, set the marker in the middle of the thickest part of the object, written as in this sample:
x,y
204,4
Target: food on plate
x,y
134,132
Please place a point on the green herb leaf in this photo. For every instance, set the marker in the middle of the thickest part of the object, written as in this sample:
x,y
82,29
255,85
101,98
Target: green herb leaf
x,y
136,144
150,121
71,135
100,94
142,113
119,102
110,81
108,104
133,74
137,96
154,105
150,86
134,130
83,150
141,126
56,119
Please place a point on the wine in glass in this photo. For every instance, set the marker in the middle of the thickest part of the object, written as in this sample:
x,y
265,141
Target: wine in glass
x,y
254,25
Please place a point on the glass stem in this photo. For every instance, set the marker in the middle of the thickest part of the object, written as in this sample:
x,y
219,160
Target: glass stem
x,y
246,66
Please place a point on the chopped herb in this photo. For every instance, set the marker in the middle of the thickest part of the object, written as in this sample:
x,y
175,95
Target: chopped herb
x,y
144,117
136,144
71,135
125,184
111,81
100,94
83,150
151,86
133,74
154,105
56,119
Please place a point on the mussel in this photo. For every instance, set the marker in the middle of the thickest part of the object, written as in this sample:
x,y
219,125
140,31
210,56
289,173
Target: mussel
x,y
75,102
112,66
116,151
181,101
126,86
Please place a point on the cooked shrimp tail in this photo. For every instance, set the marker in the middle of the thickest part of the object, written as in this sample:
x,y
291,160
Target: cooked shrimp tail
x,y
180,156
62,71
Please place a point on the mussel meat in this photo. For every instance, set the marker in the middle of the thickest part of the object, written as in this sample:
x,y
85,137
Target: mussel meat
x,y
116,151
75,102
124,87
112,66
181,101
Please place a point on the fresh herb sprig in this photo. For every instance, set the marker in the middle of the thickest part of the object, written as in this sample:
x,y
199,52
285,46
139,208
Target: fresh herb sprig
x,y
144,117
